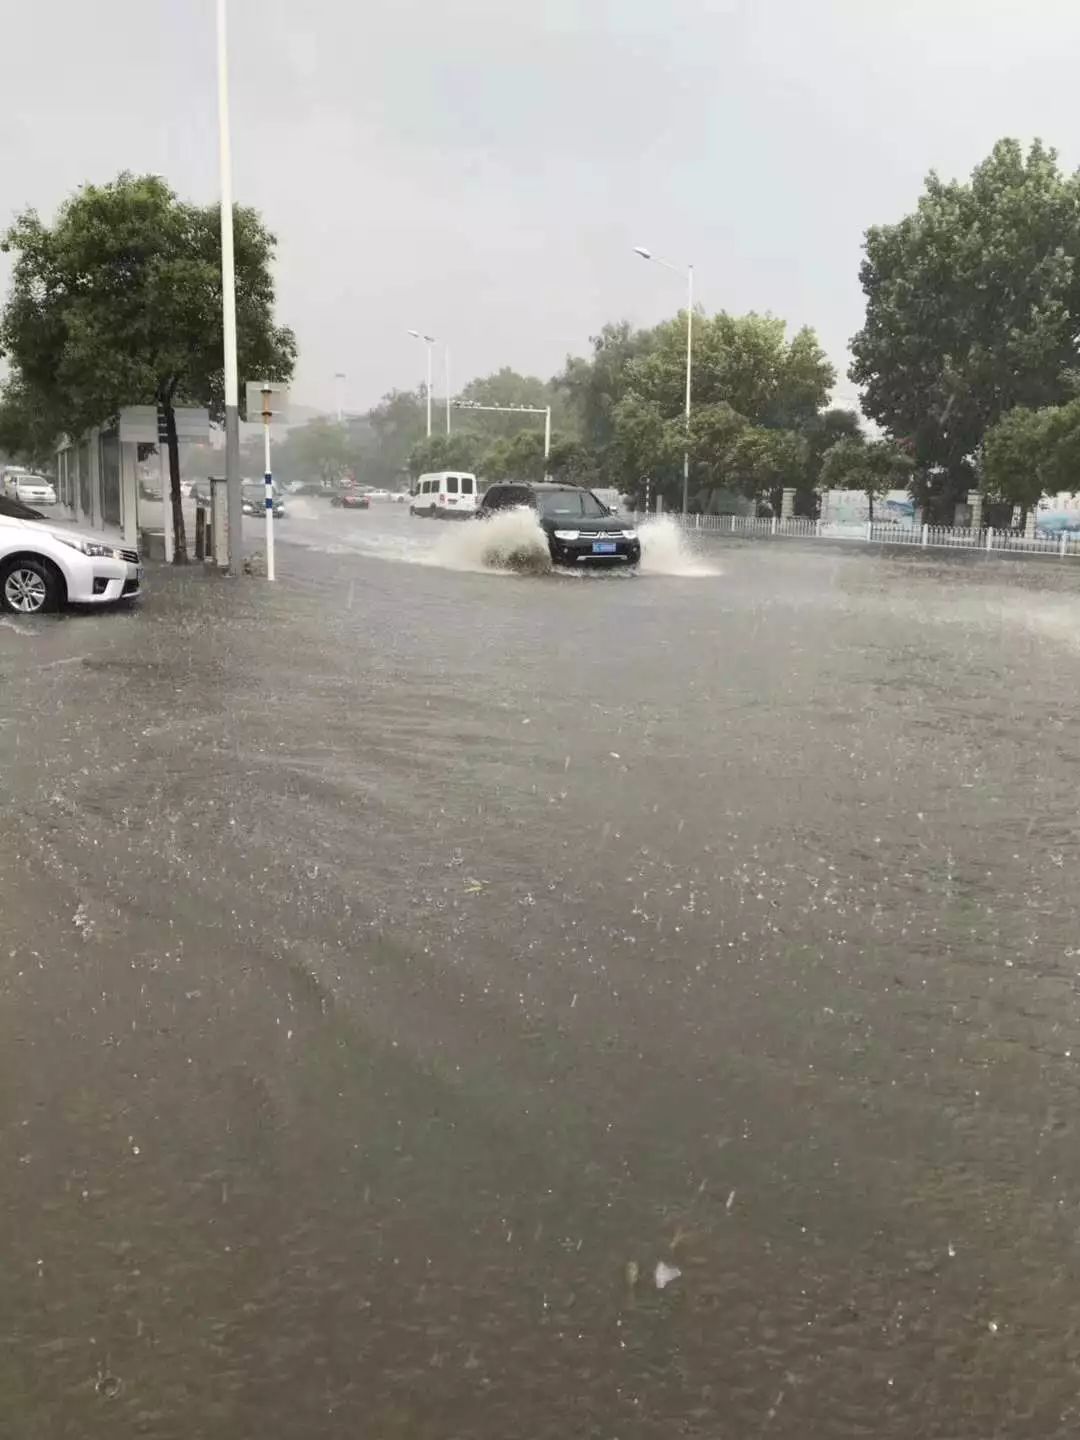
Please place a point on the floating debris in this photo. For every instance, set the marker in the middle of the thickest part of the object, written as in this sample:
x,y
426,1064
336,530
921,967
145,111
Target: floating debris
x,y
665,1275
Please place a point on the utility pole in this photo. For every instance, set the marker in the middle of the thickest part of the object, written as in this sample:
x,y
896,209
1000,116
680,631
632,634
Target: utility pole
x,y
647,254
228,305
268,478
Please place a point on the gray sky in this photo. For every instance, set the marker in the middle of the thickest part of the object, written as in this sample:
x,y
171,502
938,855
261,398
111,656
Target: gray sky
x,y
483,169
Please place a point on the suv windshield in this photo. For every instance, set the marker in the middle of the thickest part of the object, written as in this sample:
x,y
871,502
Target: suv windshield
x,y
576,504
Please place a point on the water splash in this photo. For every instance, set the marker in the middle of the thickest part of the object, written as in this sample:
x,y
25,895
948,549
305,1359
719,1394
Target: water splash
x,y
512,540
666,551
305,507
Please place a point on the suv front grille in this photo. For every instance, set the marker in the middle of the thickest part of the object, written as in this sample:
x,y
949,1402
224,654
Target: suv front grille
x,y
131,556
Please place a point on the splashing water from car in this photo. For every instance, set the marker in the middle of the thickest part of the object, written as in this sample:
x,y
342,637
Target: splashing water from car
x,y
666,551
511,540
304,507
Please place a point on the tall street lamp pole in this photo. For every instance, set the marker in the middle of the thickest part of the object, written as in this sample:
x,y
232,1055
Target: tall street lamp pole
x,y
648,255
429,341
228,305
339,384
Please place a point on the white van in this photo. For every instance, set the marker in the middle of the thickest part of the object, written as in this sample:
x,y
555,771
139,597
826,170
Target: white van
x,y
445,495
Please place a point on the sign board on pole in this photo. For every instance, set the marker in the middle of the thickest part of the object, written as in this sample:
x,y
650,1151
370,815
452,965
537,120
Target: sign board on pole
x,y
265,400
139,423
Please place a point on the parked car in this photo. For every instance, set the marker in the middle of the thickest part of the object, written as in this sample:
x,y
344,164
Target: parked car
x,y
44,565
350,500
30,489
253,500
445,495
580,529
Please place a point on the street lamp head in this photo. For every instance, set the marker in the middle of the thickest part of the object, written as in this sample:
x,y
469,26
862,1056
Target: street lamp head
x,y
416,334
640,250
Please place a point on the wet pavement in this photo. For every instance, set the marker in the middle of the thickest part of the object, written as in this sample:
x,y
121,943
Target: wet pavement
x,y
398,965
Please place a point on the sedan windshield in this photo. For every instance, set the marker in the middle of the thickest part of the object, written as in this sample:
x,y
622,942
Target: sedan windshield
x,y
570,504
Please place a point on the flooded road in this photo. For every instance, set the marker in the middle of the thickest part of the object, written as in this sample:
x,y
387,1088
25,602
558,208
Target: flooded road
x,y
443,1004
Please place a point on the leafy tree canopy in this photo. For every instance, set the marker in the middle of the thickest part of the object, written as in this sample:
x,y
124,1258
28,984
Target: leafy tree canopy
x,y
973,308
119,303
1030,453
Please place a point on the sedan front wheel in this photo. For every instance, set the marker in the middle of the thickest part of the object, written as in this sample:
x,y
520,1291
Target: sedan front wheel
x,y
28,586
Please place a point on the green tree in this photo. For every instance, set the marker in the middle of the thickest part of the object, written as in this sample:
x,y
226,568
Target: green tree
x,y
384,438
747,376
464,451
1031,453
321,448
595,385
973,308
875,467
507,387
119,303
29,424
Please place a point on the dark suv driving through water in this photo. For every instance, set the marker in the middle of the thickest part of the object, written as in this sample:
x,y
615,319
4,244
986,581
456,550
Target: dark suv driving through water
x,y
580,529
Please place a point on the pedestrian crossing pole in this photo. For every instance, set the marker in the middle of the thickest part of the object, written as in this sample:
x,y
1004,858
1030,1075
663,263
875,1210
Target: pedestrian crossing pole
x,y
268,480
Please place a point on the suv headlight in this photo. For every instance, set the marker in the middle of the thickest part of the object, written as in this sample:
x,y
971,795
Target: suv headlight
x,y
86,547
629,534
567,534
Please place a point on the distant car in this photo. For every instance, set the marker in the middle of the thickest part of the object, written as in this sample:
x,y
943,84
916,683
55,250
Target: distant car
x,y
401,498
378,494
580,529
44,564
28,488
253,501
350,500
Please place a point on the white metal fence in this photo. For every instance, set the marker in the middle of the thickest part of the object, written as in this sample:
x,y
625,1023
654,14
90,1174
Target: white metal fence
x,y
941,537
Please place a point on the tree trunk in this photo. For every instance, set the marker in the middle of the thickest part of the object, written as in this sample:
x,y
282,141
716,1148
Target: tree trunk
x,y
870,505
180,555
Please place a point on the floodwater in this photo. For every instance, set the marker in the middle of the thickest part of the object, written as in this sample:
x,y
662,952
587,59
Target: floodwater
x,y
448,1005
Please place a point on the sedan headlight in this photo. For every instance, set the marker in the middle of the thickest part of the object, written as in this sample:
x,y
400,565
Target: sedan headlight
x,y
86,547
567,534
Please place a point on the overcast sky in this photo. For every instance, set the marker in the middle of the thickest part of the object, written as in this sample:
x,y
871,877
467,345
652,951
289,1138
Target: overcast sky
x,y
482,169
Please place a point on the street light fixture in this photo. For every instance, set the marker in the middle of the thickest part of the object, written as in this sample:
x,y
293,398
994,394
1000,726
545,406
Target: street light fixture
x,y
429,341
648,255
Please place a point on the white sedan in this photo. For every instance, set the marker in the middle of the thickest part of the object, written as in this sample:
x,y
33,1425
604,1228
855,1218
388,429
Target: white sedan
x,y
44,565
30,489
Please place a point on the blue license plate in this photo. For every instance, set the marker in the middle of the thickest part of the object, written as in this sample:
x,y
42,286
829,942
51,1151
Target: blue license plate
x,y
603,547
